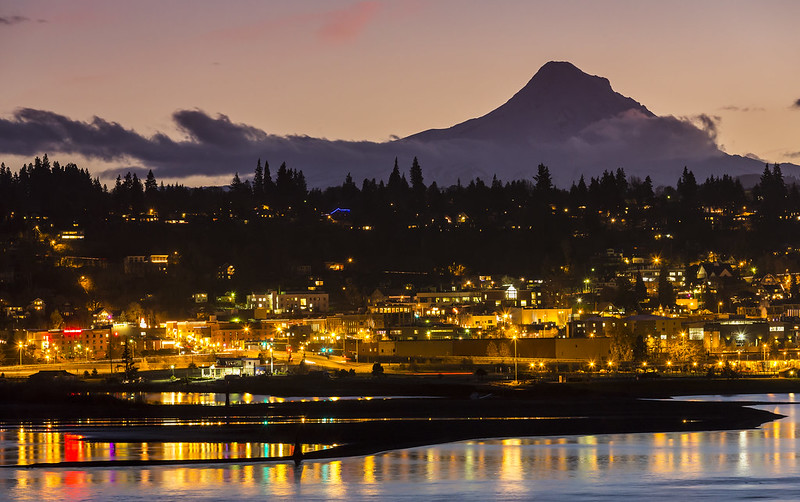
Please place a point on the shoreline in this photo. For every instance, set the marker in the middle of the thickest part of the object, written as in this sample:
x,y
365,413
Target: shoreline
x,y
358,428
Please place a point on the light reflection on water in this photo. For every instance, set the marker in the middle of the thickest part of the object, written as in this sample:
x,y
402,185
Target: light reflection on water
x,y
25,447
760,463
221,399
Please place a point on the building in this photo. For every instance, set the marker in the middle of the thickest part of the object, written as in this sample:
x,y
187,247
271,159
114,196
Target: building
x,y
354,324
427,300
146,264
301,302
427,332
71,343
509,296
261,301
232,366
662,328
525,315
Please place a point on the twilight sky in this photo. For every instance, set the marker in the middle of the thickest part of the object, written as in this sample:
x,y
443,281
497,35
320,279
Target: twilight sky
x,y
376,69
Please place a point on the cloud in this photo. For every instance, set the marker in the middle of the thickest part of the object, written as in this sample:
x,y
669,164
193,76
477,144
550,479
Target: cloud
x,y
708,124
330,27
346,24
734,108
219,131
9,20
214,147
793,155
796,104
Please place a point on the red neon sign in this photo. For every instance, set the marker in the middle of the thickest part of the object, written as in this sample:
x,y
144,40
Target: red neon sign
x,y
72,331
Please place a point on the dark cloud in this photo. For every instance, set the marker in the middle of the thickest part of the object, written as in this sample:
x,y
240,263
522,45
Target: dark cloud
x,y
734,108
215,146
9,20
793,155
796,104
219,131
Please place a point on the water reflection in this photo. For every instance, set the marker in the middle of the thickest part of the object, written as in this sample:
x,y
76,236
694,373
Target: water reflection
x,y
25,447
712,465
221,399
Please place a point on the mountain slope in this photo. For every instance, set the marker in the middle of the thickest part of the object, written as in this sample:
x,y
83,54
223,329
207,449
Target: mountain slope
x,y
556,104
577,125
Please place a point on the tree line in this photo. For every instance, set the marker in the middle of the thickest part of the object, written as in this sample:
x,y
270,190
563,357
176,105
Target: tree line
x,y
561,225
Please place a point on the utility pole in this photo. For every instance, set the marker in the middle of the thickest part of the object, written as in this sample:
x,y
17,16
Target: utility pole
x,y
516,375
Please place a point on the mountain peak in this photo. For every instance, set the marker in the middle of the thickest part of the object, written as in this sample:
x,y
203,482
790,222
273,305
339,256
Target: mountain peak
x,y
557,103
559,67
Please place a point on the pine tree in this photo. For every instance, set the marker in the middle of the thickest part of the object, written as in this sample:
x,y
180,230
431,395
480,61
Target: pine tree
x,y
639,289
150,188
417,184
258,183
544,183
394,178
269,186
236,183
687,187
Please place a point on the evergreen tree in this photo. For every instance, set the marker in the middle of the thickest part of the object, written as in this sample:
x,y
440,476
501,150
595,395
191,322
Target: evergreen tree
x,y
150,184
258,183
639,289
544,183
687,187
394,177
236,183
397,185
417,184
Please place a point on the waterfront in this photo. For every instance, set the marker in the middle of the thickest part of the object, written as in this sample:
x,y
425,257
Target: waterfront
x,y
714,465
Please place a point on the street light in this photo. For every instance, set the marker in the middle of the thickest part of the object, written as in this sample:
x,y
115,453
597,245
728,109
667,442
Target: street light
x,y
172,367
20,345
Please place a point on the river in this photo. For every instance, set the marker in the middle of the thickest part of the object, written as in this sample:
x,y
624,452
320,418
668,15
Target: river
x,y
718,465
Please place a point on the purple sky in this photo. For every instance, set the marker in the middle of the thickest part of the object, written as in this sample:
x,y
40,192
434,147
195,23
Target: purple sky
x,y
377,69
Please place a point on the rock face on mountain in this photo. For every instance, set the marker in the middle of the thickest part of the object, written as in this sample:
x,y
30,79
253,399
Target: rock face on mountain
x,y
558,103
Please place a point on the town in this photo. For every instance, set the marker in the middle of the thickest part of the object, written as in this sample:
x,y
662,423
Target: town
x,y
231,296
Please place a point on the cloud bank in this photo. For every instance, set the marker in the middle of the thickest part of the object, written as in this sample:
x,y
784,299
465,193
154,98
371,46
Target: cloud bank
x,y
216,146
